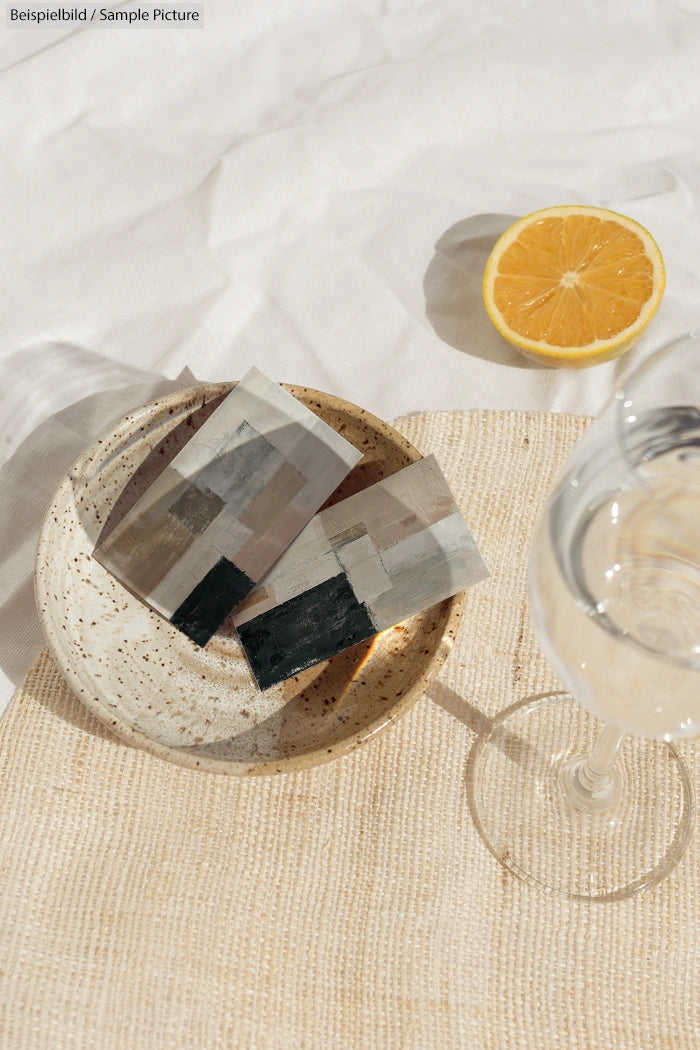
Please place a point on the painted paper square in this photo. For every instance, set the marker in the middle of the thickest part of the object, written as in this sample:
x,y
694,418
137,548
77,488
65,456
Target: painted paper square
x,y
226,507
359,567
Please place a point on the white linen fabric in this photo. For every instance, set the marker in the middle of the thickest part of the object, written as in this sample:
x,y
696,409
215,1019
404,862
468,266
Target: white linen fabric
x,y
312,187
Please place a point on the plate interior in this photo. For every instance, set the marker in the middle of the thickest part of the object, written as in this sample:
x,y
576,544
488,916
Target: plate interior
x,y
201,707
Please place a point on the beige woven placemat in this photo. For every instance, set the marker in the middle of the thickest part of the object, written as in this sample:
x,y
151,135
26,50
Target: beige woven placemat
x,y
143,905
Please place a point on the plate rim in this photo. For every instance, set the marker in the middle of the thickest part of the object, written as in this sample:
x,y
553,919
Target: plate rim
x,y
301,760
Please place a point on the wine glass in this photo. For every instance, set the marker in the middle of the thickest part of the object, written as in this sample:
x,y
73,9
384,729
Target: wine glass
x,y
590,797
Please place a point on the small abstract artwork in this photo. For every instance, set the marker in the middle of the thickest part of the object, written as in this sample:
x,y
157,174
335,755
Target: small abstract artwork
x,y
227,506
359,567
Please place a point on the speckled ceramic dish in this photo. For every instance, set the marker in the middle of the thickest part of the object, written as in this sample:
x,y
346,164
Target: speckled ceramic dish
x,y
200,707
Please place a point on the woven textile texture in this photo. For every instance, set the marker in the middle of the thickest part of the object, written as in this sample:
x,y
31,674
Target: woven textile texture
x,y
353,906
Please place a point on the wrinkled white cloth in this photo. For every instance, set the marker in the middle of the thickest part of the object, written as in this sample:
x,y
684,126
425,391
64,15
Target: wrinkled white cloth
x,y
311,186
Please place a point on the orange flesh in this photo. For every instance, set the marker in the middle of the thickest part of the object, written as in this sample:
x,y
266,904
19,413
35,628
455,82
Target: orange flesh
x,y
569,281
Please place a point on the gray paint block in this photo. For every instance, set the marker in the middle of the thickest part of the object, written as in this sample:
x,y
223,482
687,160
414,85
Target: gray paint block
x,y
236,495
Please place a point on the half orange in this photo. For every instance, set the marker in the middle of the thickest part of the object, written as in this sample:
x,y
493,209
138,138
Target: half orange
x,y
573,285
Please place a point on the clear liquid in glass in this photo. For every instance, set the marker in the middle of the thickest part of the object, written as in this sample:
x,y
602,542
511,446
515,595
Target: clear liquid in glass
x,y
615,576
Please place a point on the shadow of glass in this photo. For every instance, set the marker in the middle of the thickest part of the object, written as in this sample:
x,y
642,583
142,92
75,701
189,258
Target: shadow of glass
x,y
489,732
452,287
28,481
159,457
483,726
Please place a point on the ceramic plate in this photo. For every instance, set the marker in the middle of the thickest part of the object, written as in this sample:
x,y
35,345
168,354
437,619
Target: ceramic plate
x,y
200,707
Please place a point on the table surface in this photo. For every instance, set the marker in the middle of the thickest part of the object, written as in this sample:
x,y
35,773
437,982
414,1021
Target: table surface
x,y
353,905
311,188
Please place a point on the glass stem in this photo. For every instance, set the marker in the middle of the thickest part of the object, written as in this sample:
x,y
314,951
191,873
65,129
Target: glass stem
x,y
589,782
595,771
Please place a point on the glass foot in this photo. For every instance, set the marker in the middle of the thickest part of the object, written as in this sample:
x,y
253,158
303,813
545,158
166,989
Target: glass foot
x,y
517,784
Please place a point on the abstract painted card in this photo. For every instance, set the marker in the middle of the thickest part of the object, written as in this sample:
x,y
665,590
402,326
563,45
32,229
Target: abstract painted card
x,y
357,568
225,508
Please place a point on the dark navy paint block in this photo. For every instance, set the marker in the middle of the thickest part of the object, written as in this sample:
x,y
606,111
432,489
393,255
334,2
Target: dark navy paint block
x,y
301,632
206,607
